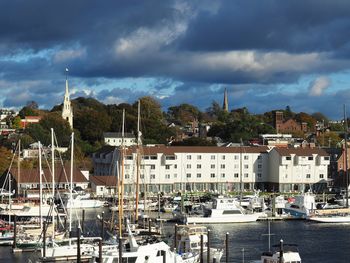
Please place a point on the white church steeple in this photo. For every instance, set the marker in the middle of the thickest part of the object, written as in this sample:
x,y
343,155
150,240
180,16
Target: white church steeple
x,y
67,112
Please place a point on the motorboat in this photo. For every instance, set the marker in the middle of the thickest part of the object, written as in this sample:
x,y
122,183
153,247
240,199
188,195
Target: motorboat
x,y
286,253
300,206
338,215
224,210
188,238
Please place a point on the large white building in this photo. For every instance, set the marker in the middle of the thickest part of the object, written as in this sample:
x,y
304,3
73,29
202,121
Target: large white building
x,y
293,169
116,139
167,169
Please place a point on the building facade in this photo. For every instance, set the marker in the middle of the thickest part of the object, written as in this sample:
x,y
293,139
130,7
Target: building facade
x,y
297,169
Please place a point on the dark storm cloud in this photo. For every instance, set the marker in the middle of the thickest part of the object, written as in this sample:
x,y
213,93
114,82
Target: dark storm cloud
x,y
293,26
197,43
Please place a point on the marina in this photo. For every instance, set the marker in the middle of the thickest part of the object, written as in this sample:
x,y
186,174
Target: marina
x,y
247,240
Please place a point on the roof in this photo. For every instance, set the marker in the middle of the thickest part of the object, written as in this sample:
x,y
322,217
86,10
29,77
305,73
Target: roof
x,y
32,175
301,151
171,150
106,180
118,135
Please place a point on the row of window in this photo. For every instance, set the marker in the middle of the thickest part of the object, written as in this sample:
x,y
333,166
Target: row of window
x,y
198,175
189,157
189,166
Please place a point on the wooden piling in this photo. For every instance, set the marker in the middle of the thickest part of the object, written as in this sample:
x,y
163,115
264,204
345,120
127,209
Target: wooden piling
x,y
78,246
201,255
208,247
100,250
226,247
120,250
102,225
82,221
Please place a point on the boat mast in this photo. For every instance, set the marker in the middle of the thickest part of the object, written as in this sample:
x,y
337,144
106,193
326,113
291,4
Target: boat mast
x,y
346,158
19,166
40,187
53,182
240,174
121,181
138,164
71,187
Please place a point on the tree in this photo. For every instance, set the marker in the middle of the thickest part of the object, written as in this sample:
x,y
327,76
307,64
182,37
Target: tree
x,y
92,124
5,159
150,109
183,113
318,116
32,105
16,123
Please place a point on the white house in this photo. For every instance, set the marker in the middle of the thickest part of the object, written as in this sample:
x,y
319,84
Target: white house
x,y
115,139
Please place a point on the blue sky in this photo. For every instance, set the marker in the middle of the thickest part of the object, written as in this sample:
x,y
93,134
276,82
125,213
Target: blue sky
x,y
268,54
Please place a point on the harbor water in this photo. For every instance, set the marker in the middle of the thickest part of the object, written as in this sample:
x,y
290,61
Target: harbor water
x,y
317,242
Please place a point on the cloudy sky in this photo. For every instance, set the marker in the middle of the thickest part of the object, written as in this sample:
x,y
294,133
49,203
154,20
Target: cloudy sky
x,y
267,53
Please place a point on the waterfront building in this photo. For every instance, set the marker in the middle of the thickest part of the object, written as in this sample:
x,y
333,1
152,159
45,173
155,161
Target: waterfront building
x,y
169,169
104,186
288,126
296,169
27,182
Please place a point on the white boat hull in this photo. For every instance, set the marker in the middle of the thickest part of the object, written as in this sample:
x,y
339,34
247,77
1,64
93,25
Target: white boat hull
x,y
239,218
330,219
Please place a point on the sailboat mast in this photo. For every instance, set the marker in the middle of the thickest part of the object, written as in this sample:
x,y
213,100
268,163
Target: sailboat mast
x,y
19,166
240,174
121,180
53,182
71,186
138,164
40,187
346,158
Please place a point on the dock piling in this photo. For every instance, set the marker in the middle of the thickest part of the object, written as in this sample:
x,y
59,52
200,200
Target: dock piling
x,y
226,246
208,247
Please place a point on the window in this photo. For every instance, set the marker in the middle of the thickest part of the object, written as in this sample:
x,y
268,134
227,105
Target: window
x,y
175,175
175,166
199,166
188,175
128,157
212,175
246,157
101,188
199,175
199,157
188,166
171,157
321,176
259,166
167,176
153,167
326,158
212,157
212,166
167,167
142,176
127,176
142,166
222,166
188,157
288,158
236,175
127,166
236,166
236,157
153,157
246,175
223,157
246,166
310,158
153,176
308,175
259,175
259,157
223,175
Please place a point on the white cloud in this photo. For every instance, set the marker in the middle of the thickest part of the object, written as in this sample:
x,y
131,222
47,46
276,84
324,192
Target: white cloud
x,y
319,86
69,54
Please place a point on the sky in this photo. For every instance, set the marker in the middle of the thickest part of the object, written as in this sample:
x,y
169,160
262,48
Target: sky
x,y
268,54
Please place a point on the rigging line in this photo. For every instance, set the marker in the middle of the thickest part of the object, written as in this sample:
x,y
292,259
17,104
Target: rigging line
x,y
8,171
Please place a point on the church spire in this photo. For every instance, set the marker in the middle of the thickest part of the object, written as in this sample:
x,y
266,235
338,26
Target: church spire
x,y
225,104
67,112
